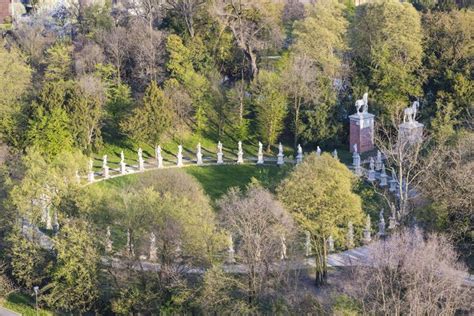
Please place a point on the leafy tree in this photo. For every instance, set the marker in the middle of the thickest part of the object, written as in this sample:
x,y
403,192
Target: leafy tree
x,y
75,284
151,119
49,131
386,46
186,9
58,62
271,107
319,195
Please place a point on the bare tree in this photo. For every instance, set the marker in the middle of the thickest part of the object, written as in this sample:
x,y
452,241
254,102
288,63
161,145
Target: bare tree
x,y
33,38
252,24
116,47
87,55
260,226
406,155
186,9
410,275
147,10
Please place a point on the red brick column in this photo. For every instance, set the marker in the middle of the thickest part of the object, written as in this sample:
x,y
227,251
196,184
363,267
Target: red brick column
x,y
361,132
4,9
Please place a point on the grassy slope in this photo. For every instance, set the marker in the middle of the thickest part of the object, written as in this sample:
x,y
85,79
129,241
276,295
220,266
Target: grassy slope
x,y
23,305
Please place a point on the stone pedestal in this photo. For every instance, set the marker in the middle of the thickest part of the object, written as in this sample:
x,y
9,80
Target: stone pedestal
x,y
280,160
220,159
393,185
123,168
179,162
240,157
91,176
106,172
410,133
199,158
361,132
371,176
141,165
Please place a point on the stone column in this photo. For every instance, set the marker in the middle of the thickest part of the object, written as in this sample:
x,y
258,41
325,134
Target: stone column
x,y
280,156
240,154
299,155
260,154
159,157
179,156
220,154
198,154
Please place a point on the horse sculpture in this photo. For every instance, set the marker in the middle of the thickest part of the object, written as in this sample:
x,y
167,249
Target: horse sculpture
x,y
362,103
409,113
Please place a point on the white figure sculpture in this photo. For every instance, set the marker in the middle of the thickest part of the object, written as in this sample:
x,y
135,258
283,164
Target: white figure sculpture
x,y
409,114
318,151
108,241
362,104
393,182
240,154
381,224
123,166
367,235
371,176
105,167
392,221
260,154
130,248
307,244
280,156
334,154
220,154
299,155
152,256
231,250
198,154
159,157
383,176
378,161
331,244
283,255
350,236
180,156
141,162
90,175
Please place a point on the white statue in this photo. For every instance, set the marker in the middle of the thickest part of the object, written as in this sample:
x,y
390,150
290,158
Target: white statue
x,y
122,157
371,176
280,156
123,167
381,224
105,167
409,114
159,157
367,235
283,255
371,163
104,161
331,244
130,248
383,176
180,156
334,154
318,151
90,175
350,236
240,154
355,148
152,256
231,250
199,154
378,161
108,240
141,163
299,156
362,103
220,154
260,154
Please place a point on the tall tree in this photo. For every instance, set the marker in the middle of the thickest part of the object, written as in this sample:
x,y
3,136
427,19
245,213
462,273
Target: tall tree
x,y
386,46
270,105
254,24
58,62
151,118
186,9
319,195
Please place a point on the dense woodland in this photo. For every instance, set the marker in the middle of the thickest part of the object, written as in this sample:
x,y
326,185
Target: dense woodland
x,y
87,80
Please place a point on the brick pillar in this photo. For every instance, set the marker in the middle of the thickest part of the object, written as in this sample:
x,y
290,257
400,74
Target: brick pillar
x,y
4,10
361,132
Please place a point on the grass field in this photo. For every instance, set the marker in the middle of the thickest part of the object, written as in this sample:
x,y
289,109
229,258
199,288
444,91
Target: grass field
x,y
23,305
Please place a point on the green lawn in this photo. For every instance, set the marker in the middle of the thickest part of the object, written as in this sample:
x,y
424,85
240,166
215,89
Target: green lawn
x,y
217,179
23,305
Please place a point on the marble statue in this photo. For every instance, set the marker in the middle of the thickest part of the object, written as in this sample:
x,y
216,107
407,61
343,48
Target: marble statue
x,y
105,167
318,151
307,244
231,250
299,155
350,236
179,163
159,157
220,154
90,175
108,241
152,256
283,254
393,182
383,176
409,114
123,166
367,235
334,154
331,244
198,154
260,154
381,224
371,176
392,221
280,156
141,162
362,104
378,161
240,153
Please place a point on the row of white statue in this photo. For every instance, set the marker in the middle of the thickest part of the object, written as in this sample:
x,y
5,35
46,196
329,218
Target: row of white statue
x,y
283,255
199,159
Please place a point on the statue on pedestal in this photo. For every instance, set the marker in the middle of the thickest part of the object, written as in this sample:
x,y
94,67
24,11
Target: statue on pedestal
x,y
198,154
179,163
409,114
159,158
280,156
152,256
90,175
141,162
283,255
350,236
331,244
231,250
105,167
381,224
123,166
219,153
260,154
368,226
335,155
299,155
307,244
240,153
318,151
